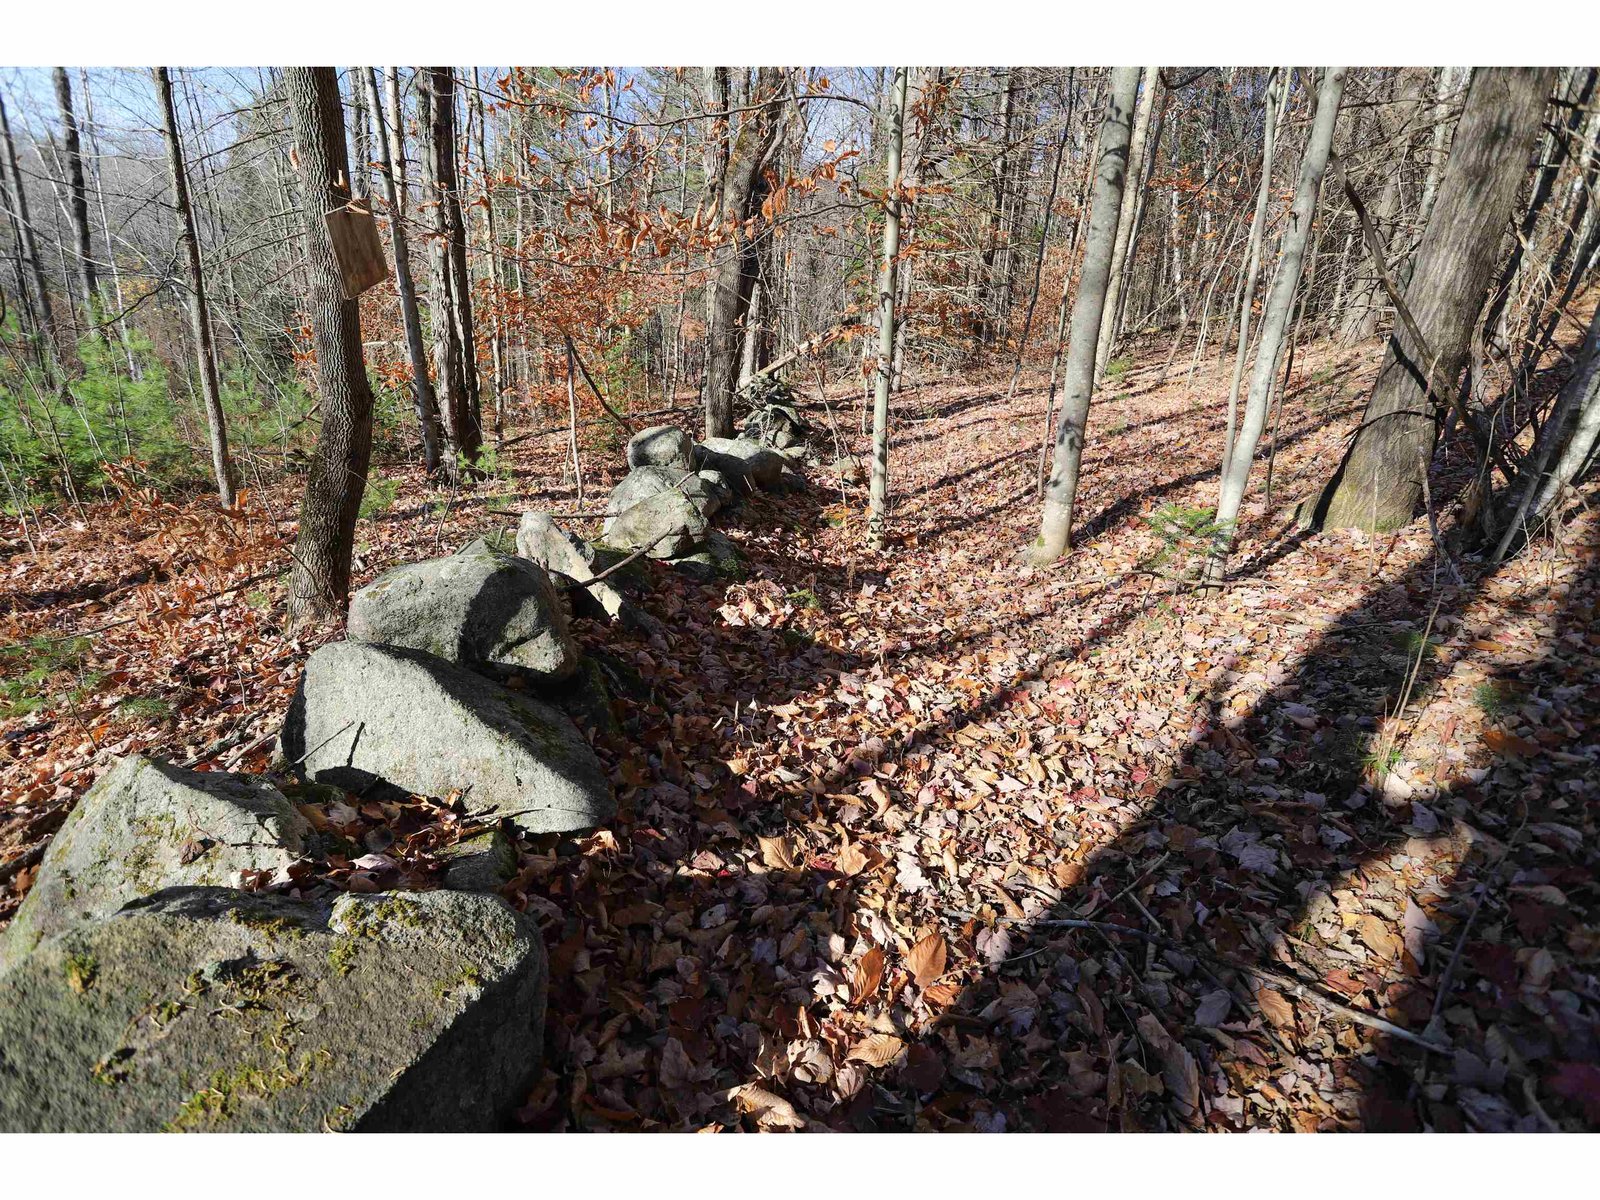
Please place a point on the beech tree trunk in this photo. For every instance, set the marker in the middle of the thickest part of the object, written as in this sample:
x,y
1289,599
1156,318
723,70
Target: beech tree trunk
x,y
199,310
320,582
1055,526
877,517
734,275
422,386
1135,171
450,297
1275,320
1378,485
1252,272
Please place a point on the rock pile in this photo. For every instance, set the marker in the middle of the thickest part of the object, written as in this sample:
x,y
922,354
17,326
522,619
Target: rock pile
x,y
145,984
143,988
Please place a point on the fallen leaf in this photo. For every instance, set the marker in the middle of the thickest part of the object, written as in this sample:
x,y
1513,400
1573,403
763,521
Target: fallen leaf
x,y
777,853
1276,1009
926,959
876,1050
868,976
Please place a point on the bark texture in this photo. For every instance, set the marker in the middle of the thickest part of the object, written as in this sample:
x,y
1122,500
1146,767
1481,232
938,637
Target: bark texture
x,y
879,490
199,309
422,385
77,193
1055,528
1275,320
320,583
1379,483
734,277
450,297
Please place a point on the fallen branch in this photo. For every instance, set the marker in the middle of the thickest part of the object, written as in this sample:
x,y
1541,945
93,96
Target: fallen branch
x,y
615,567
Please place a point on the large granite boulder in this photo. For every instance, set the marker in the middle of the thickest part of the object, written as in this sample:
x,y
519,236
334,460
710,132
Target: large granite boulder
x,y
146,826
214,1009
369,714
660,446
644,482
478,607
738,458
669,523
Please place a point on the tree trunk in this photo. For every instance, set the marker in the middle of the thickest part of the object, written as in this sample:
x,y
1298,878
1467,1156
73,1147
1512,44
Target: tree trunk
x,y
1135,171
450,298
734,276
30,247
390,152
1571,436
1252,272
78,195
1379,483
1055,528
1275,320
877,517
320,582
199,310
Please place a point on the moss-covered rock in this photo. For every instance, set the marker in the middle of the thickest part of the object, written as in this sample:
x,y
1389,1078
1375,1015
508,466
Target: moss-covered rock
x,y
484,863
145,826
213,1009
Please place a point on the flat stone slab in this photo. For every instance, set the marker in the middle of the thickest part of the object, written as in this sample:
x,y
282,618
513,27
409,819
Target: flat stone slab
x,y
477,607
366,715
147,825
209,1009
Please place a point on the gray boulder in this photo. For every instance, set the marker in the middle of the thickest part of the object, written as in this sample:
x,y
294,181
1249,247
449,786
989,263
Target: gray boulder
x,y
146,826
660,446
778,426
669,523
644,482
718,558
478,608
213,1009
367,714
741,459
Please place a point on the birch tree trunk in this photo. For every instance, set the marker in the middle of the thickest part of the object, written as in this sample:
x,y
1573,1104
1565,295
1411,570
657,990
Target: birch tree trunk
x,y
1055,527
320,582
877,517
389,152
1252,271
1379,483
1275,320
199,310
1135,170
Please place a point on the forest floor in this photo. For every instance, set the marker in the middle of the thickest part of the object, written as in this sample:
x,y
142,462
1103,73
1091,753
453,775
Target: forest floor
x,y
880,813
